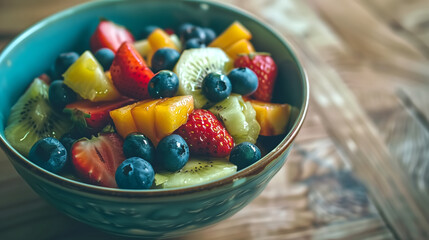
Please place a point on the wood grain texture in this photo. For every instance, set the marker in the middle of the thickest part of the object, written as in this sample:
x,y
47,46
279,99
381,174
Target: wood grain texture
x,y
409,19
359,167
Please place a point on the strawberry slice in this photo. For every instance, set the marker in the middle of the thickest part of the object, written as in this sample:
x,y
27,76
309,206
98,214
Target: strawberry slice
x,y
206,135
266,70
129,72
96,160
109,35
94,115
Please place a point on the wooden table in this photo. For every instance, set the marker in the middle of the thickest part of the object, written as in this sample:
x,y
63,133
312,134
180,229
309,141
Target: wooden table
x,y
360,166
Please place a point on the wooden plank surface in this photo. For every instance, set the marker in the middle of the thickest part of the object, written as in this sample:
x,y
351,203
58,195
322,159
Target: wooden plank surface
x,y
359,169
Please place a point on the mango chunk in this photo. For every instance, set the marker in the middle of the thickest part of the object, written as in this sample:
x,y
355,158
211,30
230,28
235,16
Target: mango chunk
x,y
241,47
171,114
160,39
144,117
155,118
234,33
123,120
272,117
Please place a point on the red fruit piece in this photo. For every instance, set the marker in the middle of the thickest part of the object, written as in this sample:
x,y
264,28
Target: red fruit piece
x,y
94,115
206,135
129,72
96,160
109,35
45,77
169,31
266,70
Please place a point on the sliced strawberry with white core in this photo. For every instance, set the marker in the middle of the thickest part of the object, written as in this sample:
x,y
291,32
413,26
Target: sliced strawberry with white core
x,y
96,160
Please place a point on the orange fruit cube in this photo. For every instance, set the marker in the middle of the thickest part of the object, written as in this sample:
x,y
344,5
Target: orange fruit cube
x,y
234,33
160,39
123,120
171,114
144,117
272,117
161,117
241,47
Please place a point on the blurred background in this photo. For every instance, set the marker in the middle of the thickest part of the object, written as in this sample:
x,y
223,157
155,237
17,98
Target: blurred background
x,y
360,167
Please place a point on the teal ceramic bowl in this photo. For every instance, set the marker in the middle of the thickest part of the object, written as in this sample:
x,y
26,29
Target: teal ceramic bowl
x,y
150,213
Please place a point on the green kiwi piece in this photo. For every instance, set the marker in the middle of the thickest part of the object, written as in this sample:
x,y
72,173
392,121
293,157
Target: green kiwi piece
x,y
194,65
32,118
195,172
239,118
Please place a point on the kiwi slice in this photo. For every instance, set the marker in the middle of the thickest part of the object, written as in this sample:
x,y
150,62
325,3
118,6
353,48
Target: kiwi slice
x,y
32,118
194,65
196,171
239,118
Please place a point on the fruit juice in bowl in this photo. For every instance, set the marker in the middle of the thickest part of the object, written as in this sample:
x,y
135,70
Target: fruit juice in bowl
x,y
151,127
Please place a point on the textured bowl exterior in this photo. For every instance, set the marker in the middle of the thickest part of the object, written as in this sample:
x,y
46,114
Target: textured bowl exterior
x,y
152,213
154,217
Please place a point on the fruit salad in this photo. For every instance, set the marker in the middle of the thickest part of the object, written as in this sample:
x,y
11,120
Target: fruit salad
x,y
165,109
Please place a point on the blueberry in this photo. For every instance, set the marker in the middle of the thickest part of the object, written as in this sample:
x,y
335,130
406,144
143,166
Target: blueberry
x,y
185,29
60,95
67,141
210,35
49,154
216,87
194,32
244,154
194,43
243,80
172,152
105,57
63,62
148,30
164,59
164,84
134,173
138,145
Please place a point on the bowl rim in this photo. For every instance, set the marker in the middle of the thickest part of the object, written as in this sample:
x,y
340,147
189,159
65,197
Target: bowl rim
x,y
254,169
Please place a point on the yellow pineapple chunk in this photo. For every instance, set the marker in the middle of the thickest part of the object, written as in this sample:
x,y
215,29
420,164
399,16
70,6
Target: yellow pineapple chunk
x,y
144,49
87,78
